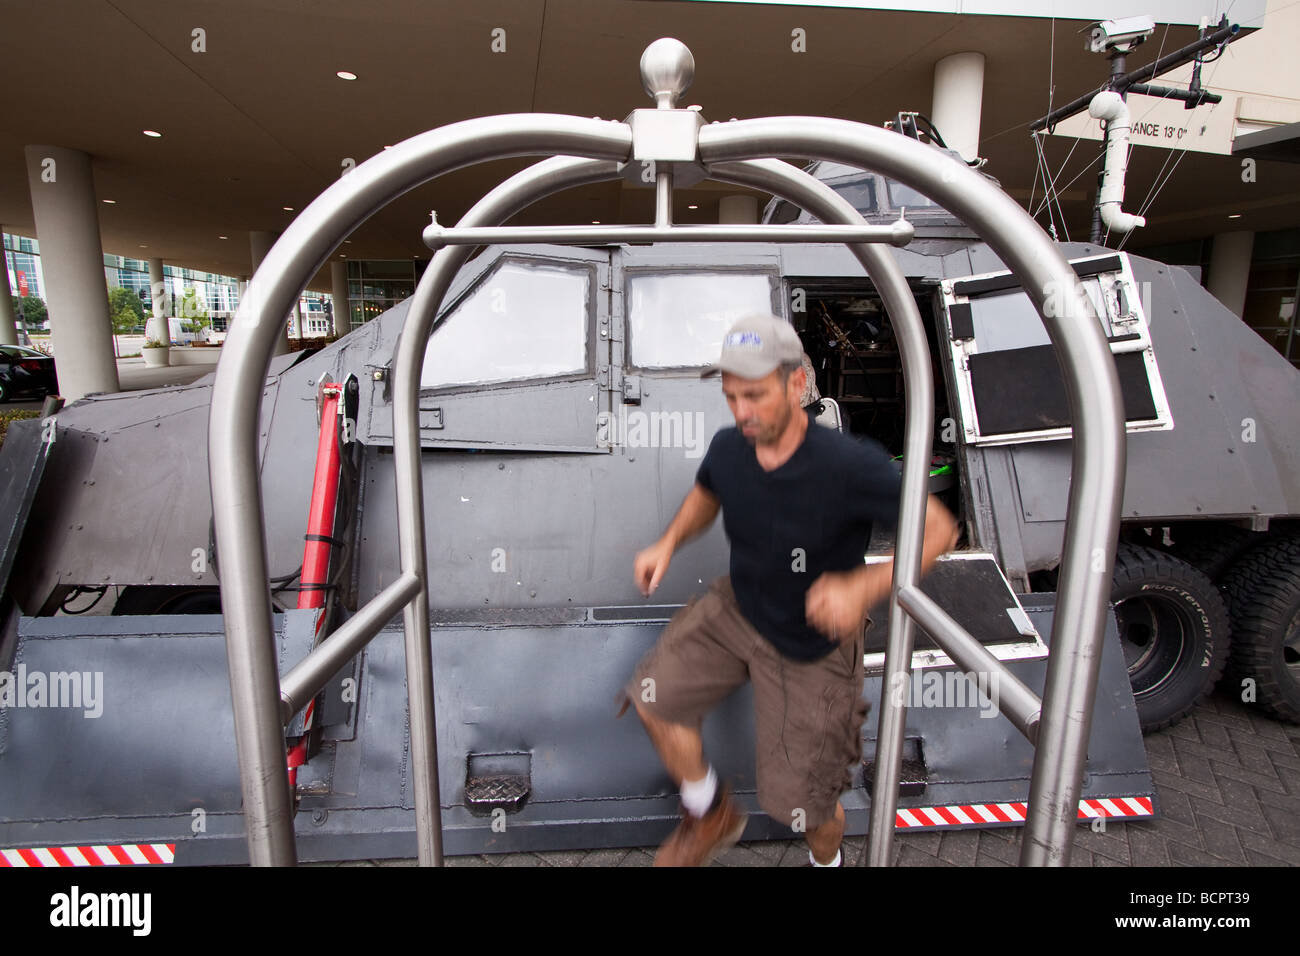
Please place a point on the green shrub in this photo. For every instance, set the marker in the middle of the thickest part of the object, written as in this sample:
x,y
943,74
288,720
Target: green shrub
x,y
13,415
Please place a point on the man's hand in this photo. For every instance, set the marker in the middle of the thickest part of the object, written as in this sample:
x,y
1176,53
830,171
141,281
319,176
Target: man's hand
x,y
693,517
651,564
838,601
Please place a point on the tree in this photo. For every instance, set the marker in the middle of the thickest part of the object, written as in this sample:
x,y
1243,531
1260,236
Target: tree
x,y
33,309
194,312
125,310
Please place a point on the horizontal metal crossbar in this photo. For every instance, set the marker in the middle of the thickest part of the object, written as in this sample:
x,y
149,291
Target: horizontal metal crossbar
x,y
1020,704
897,233
316,669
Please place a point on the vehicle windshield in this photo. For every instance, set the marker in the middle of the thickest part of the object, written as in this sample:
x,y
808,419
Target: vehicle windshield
x,y
19,351
860,188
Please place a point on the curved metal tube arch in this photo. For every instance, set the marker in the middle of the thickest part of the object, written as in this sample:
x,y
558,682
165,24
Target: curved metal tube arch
x,y
773,176
1098,451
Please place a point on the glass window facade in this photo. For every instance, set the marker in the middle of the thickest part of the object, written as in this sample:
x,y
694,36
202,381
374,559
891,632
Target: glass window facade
x,y
23,260
376,285
1272,291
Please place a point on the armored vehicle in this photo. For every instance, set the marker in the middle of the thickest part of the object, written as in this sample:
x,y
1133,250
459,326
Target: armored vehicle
x,y
560,420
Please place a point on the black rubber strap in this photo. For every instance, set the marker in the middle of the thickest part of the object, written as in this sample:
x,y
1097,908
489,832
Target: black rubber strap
x,y
323,537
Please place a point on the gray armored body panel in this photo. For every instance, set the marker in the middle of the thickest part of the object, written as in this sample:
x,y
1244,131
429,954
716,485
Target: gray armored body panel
x,y
561,420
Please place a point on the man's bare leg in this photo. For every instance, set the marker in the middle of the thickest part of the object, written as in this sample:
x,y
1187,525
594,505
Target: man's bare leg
x,y
710,825
825,841
679,747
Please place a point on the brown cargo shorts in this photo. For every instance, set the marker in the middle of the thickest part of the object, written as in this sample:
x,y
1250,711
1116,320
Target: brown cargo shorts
x,y
807,714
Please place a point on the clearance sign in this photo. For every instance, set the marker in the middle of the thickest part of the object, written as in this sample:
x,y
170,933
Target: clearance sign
x,y
1165,124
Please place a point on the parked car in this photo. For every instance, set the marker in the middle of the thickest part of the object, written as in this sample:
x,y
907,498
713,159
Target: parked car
x,y
25,371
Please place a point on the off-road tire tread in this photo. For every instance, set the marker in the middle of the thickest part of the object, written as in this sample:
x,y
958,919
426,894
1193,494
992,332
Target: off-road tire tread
x,y
1262,591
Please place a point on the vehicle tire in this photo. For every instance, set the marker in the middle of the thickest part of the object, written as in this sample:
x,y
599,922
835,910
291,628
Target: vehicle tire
x,y
1214,550
1263,592
1173,627
151,599
4,392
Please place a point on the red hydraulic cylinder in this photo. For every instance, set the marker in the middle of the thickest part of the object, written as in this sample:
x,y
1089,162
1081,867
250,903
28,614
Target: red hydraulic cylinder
x,y
320,515
316,551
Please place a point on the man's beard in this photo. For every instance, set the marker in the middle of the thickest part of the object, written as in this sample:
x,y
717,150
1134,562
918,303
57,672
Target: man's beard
x,y
770,437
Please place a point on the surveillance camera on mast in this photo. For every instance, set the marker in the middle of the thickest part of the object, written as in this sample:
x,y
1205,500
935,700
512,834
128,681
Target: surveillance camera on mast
x,y
1119,36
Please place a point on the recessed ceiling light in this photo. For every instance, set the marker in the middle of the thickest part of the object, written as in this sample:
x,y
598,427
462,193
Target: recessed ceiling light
x,y
345,75
1235,215
143,246
111,202
221,237
388,147
152,132
342,257
347,241
595,222
692,207
287,208
695,106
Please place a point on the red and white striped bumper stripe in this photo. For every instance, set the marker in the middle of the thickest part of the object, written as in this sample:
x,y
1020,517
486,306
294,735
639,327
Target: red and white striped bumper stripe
x,y
120,854
982,814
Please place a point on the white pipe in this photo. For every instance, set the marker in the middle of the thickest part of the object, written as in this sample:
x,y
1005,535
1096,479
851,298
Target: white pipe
x,y
1110,106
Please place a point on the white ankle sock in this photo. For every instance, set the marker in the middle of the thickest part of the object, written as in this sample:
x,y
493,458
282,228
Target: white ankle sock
x,y
834,862
697,795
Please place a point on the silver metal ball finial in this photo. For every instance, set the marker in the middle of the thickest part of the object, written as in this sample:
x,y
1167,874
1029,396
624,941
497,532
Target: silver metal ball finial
x,y
667,70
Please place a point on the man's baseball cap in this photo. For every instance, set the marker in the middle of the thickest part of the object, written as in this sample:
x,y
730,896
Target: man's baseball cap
x,y
756,346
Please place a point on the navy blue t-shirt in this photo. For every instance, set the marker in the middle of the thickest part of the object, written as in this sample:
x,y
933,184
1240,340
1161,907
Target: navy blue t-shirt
x,y
789,525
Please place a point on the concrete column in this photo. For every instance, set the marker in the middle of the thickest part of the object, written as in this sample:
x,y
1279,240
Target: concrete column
x,y
72,258
158,327
342,309
1230,269
958,99
738,210
259,244
8,321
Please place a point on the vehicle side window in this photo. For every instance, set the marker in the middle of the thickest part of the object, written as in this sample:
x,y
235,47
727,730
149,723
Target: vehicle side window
x,y
524,320
677,320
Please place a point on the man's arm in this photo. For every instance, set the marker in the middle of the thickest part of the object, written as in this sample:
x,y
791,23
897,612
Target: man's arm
x,y
838,601
693,518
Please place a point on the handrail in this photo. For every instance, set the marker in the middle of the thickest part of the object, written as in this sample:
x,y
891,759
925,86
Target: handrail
x,y
897,233
1008,693
305,680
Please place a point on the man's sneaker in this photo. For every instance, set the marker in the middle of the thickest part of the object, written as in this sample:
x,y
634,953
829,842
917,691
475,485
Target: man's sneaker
x,y
697,840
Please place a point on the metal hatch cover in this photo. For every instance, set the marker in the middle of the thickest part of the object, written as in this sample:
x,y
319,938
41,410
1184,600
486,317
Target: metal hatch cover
x,y
972,587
